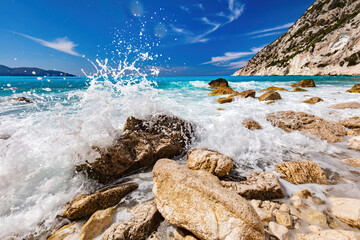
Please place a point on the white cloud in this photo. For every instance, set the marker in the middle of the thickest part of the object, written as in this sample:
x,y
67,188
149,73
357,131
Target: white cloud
x,y
285,26
267,34
186,9
200,5
236,10
236,65
60,44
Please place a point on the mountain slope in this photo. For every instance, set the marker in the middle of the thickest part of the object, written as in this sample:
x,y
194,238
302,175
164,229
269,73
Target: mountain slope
x,y
25,71
324,41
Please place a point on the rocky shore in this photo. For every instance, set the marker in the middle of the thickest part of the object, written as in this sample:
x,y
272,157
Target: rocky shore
x,y
205,198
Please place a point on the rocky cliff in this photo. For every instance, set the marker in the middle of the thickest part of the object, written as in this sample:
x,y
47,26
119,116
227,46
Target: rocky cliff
x,y
324,41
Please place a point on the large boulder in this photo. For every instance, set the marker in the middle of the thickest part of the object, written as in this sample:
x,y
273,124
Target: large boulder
x,y
87,204
68,232
347,210
354,143
301,172
145,219
208,160
244,94
329,235
220,82
351,123
307,123
350,105
313,100
273,88
261,186
270,95
304,83
354,89
196,201
141,145
96,223
222,91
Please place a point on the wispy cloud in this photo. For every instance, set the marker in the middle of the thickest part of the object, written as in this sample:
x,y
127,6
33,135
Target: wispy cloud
x,y
236,65
267,34
186,9
285,26
60,44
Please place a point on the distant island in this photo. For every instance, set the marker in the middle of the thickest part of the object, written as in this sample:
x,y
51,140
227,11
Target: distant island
x,y
29,71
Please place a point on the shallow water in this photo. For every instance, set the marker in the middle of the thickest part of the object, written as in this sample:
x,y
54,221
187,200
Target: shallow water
x,y
42,142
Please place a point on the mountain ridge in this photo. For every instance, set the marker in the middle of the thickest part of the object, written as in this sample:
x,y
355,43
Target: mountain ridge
x,y
31,71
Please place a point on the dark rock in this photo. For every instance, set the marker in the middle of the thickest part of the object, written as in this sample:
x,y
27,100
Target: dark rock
x,y
304,83
220,82
251,124
313,100
354,89
22,99
244,94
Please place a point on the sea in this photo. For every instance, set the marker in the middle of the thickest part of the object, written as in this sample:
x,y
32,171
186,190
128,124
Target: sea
x,y
42,142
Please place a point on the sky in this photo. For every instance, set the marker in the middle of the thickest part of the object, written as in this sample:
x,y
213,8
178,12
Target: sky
x,y
187,37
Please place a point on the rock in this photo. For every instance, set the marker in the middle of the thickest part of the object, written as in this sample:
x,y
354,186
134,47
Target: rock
x,y
304,194
244,94
299,90
355,162
222,91
304,83
313,100
251,124
270,102
208,160
67,232
352,123
270,95
329,235
85,205
22,99
97,222
189,237
141,145
351,105
145,220
220,82
224,100
354,132
315,228
347,210
279,231
262,186
354,142
284,208
196,201
301,172
291,121
354,89
264,209
284,218
273,88
316,218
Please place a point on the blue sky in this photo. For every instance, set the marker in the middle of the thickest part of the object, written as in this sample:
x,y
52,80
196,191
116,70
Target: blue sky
x,y
213,37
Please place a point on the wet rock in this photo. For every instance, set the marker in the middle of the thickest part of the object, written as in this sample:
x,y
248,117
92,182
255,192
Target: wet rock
x,y
304,83
85,205
97,222
355,132
270,95
22,99
347,210
284,218
301,172
291,121
299,90
304,194
316,218
313,100
67,232
354,142
279,231
262,186
355,162
354,89
220,82
265,209
270,102
352,123
273,88
251,124
145,220
244,94
351,105
142,144
208,160
196,201
222,91
329,235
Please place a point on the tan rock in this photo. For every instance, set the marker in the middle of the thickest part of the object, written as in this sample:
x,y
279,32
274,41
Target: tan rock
x,y
351,105
299,90
262,186
354,89
220,82
313,100
270,102
251,124
270,95
291,121
222,91
301,172
244,94
329,235
208,160
145,220
347,210
196,201
67,232
284,219
189,237
351,123
279,231
354,132
304,83
355,162
315,228
85,205
316,218
273,88
265,209
354,142
97,222
304,194
284,208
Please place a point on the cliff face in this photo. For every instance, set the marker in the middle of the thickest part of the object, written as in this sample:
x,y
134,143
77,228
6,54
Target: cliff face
x,y
324,41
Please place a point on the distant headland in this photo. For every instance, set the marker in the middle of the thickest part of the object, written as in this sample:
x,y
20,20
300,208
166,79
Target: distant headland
x,y
30,71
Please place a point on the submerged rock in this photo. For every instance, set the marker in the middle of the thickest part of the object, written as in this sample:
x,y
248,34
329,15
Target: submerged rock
x,y
352,123
22,99
142,144
244,94
313,100
222,91
351,105
347,210
251,124
354,89
329,235
304,83
301,172
208,160
273,88
262,186
67,232
196,201
355,162
299,90
97,222
307,123
145,220
85,205
354,142
270,95
220,82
